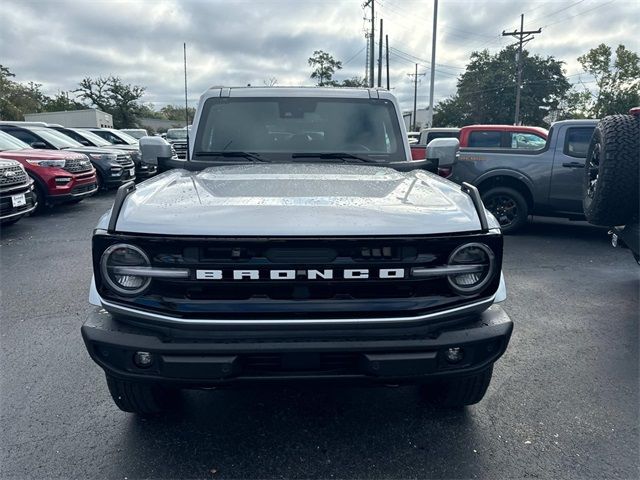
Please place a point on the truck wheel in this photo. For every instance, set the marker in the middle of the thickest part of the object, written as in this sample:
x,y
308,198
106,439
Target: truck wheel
x,y
39,198
144,399
611,171
508,206
458,392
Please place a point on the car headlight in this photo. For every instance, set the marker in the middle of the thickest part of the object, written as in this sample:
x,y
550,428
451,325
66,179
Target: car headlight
x,y
117,264
48,163
479,262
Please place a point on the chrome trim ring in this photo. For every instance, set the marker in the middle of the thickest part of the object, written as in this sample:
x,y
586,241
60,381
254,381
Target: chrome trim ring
x,y
490,271
105,273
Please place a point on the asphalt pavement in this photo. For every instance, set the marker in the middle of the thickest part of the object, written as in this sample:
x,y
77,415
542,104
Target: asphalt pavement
x,y
563,402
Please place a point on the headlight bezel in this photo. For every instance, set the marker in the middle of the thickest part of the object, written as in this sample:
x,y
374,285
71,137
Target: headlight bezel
x,y
488,276
111,283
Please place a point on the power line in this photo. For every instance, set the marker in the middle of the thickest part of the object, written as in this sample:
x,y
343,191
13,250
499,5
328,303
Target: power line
x,y
578,14
415,93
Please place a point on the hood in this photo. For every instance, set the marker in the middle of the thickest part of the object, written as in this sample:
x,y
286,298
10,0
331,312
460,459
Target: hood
x,y
297,200
39,154
127,148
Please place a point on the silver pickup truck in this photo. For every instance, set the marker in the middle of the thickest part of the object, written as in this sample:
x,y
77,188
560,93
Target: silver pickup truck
x,y
516,184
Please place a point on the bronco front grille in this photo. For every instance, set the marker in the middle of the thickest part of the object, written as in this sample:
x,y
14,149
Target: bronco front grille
x,y
77,165
12,175
298,294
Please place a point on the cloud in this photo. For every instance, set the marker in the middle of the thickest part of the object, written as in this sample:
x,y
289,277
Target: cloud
x,y
57,43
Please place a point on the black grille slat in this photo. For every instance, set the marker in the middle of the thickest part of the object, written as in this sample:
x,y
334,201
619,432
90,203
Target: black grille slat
x,y
124,160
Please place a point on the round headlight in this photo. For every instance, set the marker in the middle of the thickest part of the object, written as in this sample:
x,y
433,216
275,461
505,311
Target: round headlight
x,y
479,260
118,257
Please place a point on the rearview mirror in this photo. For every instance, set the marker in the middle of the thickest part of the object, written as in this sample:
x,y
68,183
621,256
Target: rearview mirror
x,y
39,145
444,150
154,148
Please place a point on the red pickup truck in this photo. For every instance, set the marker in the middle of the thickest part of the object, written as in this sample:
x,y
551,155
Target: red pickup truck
x,y
508,137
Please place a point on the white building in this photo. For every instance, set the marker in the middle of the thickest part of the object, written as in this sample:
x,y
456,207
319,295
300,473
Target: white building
x,y
422,117
89,117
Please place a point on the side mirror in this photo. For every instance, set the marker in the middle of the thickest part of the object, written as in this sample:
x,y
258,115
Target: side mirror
x,y
39,145
86,143
444,150
154,148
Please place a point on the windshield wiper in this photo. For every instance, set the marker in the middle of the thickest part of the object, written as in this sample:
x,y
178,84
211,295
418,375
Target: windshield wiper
x,y
335,156
248,155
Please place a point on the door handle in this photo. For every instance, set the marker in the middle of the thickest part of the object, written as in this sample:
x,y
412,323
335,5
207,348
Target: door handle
x,y
573,165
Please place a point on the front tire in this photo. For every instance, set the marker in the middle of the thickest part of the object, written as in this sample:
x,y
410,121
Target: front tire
x,y
458,392
611,171
39,198
145,399
508,206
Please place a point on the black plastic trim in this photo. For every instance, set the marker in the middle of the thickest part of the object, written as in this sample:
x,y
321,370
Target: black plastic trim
x,y
473,192
121,195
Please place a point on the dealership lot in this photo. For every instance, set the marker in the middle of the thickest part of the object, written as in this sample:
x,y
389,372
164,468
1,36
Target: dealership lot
x,y
563,402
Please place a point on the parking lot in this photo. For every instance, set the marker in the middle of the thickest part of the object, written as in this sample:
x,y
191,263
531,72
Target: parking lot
x,y
563,402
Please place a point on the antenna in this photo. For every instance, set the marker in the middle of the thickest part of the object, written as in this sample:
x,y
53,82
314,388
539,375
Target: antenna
x,y
186,104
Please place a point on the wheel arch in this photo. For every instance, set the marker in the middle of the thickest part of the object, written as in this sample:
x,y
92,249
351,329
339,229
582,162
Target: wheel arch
x,y
509,179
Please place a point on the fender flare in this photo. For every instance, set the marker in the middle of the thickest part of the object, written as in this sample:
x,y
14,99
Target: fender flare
x,y
505,172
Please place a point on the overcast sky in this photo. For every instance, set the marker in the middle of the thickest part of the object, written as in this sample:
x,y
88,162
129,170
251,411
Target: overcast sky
x,y
57,43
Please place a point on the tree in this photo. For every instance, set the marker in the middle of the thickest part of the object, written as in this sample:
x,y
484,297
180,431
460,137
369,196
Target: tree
x,y
112,96
324,67
17,99
176,112
617,81
61,102
486,90
354,82
270,82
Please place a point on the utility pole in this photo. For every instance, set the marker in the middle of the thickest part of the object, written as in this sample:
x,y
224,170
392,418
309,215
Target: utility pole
x,y
386,39
415,95
433,62
366,60
523,37
380,57
372,54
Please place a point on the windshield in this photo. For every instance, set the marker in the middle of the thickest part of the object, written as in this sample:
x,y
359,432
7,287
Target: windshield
x,y
128,139
177,134
136,133
8,142
57,139
93,138
289,127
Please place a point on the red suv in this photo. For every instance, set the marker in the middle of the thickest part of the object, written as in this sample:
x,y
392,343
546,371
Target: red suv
x,y
58,176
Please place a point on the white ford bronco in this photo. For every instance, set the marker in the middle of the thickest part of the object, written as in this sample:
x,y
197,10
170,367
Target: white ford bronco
x,y
298,242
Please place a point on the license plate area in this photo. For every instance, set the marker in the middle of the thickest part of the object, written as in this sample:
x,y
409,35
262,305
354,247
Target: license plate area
x,y
18,200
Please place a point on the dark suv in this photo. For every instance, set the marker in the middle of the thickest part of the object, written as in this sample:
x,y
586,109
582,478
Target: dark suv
x,y
16,192
113,167
89,139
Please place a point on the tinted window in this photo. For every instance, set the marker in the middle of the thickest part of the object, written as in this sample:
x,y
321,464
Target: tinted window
x,y
57,139
24,135
434,135
527,141
90,136
577,141
485,139
9,142
279,127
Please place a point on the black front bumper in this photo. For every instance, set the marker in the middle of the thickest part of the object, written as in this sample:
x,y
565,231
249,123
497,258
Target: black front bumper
x,y
192,359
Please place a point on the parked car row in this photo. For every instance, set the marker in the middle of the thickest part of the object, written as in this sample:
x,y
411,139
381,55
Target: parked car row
x,y
42,165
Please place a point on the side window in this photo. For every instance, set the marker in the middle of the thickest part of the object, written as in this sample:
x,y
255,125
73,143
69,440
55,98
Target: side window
x,y
527,141
26,137
485,139
577,140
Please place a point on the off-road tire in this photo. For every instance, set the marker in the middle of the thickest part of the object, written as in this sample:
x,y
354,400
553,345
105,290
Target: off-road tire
x,y
521,207
611,171
458,392
145,399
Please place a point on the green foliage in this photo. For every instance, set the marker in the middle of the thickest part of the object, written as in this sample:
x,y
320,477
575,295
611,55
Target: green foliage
x,y
324,66
113,96
354,82
176,112
486,90
617,81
